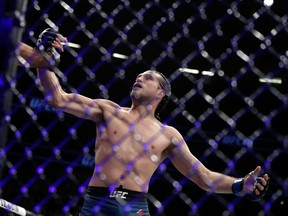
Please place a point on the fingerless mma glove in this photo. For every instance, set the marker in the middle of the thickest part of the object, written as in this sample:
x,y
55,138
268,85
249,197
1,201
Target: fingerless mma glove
x,y
237,189
44,44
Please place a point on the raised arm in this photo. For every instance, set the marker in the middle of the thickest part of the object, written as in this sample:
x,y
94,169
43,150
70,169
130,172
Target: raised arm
x,y
73,103
31,56
44,54
184,161
50,42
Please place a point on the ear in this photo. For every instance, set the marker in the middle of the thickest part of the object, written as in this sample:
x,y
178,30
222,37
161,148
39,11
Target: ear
x,y
161,94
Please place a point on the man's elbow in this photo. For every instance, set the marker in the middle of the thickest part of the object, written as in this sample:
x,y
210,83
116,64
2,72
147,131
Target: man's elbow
x,y
55,102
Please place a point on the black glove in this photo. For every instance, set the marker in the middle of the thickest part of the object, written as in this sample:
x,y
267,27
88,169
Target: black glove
x,y
237,188
44,44
253,196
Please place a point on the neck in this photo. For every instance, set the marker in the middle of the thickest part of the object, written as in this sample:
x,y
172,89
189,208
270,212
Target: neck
x,y
143,110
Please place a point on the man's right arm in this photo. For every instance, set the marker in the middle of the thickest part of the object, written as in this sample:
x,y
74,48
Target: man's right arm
x,y
46,52
73,103
31,56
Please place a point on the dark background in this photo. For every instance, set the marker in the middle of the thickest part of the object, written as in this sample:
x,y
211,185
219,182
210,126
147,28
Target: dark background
x,y
231,121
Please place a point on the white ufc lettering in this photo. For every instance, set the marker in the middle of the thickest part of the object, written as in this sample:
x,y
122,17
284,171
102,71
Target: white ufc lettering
x,y
118,194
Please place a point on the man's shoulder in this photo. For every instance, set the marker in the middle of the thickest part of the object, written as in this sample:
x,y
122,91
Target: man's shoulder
x,y
108,105
172,133
169,128
105,102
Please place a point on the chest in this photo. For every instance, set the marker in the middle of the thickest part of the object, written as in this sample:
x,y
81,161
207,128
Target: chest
x,y
132,135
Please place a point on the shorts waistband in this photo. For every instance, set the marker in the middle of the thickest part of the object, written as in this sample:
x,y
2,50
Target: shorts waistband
x,y
117,193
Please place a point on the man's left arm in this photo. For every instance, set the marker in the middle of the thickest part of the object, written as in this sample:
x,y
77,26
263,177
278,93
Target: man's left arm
x,y
251,186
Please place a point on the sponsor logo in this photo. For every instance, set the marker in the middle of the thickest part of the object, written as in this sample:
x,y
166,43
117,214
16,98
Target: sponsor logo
x,y
141,212
36,103
118,194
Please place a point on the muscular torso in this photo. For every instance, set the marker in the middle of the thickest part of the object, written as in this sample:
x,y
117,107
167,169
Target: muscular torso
x,y
128,149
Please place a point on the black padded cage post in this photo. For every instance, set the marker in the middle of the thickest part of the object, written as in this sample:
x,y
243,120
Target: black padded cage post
x,y
12,23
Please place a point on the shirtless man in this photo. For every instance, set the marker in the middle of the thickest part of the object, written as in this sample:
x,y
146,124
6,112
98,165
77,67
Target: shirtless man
x,y
131,143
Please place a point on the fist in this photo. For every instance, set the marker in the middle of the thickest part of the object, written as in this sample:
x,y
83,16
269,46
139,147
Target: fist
x,y
50,45
46,38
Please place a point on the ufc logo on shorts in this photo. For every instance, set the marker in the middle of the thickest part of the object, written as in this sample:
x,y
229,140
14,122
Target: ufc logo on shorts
x,y
118,194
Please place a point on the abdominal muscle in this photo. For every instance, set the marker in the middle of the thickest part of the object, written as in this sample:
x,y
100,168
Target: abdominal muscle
x,y
115,166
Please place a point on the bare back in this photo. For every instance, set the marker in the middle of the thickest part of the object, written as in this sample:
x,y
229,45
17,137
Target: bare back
x,y
128,149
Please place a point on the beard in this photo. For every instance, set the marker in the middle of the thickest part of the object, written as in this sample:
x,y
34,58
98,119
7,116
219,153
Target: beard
x,y
135,95
139,98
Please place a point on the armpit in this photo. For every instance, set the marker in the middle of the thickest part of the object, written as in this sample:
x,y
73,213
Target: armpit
x,y
168,150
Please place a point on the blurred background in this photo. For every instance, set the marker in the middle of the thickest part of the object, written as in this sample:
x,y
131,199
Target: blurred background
x,y
227,62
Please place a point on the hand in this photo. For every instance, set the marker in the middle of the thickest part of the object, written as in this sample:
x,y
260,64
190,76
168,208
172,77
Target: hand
x,y
59,42
50,42
255,187
51,38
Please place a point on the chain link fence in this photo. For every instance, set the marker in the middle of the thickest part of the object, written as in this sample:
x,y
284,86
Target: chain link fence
x,y
227,64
